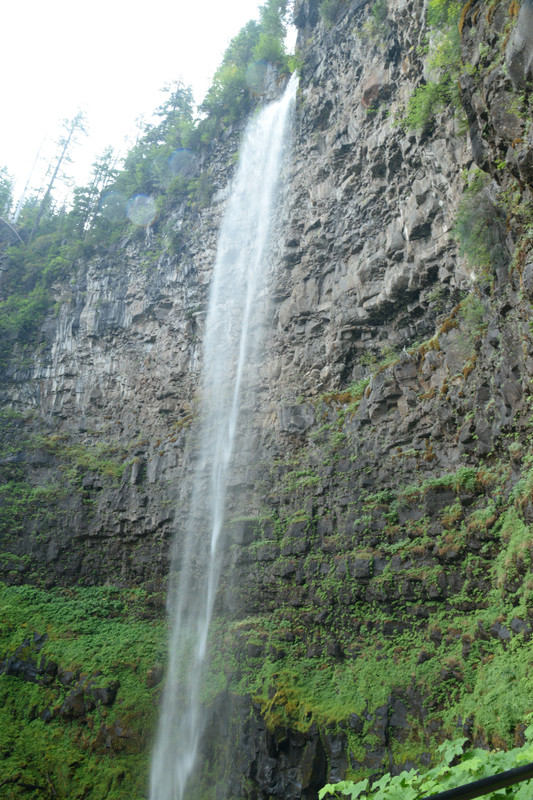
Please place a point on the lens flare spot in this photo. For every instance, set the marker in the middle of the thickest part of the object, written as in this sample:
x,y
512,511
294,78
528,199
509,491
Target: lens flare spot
x,y
113,206
256,74
180,162
141,210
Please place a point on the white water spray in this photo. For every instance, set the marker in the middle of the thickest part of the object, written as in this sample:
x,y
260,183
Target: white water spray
x,y
234,310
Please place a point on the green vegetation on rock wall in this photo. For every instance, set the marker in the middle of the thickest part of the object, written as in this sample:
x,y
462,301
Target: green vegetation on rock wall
x,y
77,675
401,616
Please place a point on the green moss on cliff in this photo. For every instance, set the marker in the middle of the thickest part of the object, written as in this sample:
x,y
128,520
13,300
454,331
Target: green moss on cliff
x,y
63,732
416,594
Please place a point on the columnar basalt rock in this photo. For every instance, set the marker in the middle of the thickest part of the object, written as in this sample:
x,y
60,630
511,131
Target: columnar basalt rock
x,y
364,243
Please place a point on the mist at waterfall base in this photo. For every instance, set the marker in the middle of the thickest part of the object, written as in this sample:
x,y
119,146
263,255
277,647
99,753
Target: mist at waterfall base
x,y
237,309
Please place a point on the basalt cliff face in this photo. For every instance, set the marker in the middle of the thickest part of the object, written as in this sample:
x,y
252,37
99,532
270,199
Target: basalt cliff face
x,y
379,520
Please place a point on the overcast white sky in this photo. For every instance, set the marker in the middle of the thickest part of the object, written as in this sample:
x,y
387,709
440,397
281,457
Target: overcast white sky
x,y
109,57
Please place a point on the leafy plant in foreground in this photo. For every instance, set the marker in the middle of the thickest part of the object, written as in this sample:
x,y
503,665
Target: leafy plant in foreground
x,y
473,765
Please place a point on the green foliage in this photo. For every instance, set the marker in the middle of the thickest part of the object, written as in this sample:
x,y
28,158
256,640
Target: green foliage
x,y
20,316
299,479
71,131
443,63
148,166
26,286
376,27
59,239
228,98
36,508
466,478
466,565
357,388
479,228
295,62
473,765
472,312
160,167
100,460
200,190
376,362
240,50
329,11
104,632
272,16
443,13
86,199
302,690
379,10
19,501
239,79
6,192
428,98
514,559
271,49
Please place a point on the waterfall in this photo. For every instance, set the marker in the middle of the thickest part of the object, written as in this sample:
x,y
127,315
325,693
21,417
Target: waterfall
x,y
235,308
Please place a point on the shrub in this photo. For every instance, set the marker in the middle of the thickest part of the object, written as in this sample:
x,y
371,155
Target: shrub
x,y
479,226
270,48
329,10
443,65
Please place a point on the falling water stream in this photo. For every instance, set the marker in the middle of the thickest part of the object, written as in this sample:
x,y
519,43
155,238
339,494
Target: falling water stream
x,y
233,320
